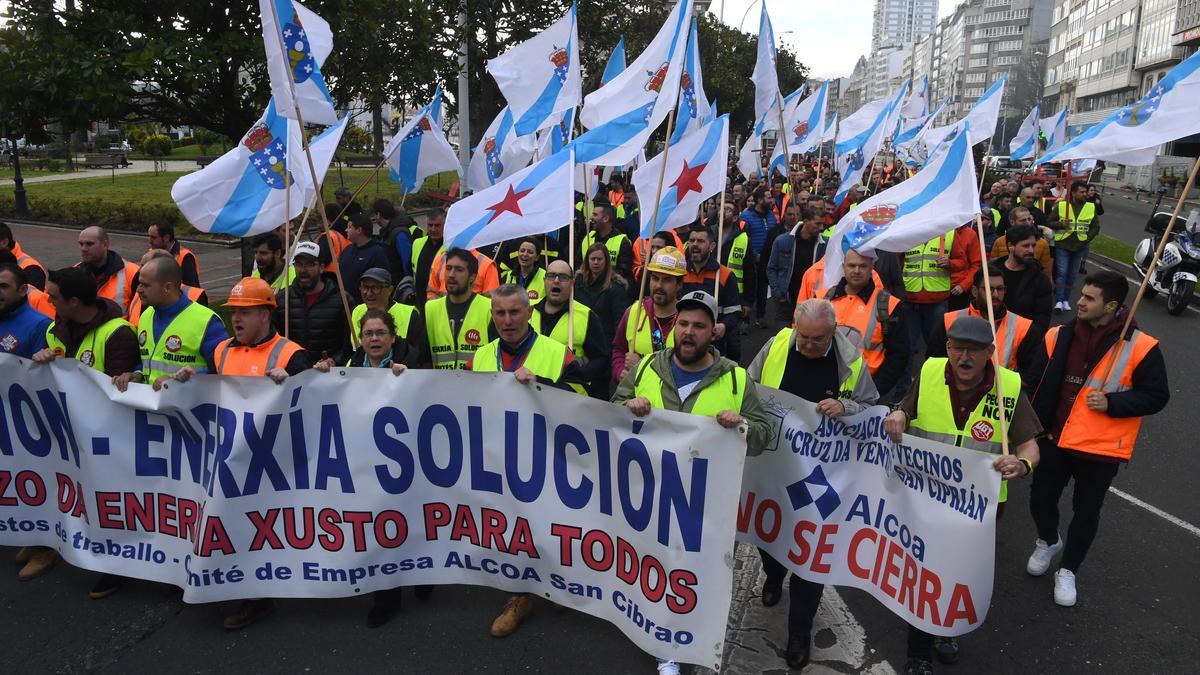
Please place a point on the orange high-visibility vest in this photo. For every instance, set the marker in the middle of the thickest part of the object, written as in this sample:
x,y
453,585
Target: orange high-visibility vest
x,y
486,281
40,300
24,260
859,321
641,248
813,282
1094,432
1009,334
337,243
254,361
119,287
184,252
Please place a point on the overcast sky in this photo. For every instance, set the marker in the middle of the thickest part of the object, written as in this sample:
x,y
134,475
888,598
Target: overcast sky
x,y
827,35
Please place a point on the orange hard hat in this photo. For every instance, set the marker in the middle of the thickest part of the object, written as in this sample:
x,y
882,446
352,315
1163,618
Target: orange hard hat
x,y
251,292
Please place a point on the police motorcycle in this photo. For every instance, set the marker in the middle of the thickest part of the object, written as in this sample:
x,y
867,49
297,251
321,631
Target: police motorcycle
x,y
1179,267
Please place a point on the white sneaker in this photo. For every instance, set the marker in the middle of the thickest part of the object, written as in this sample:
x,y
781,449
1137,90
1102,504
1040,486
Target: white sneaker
x,y
1043,553
1064,588
667,667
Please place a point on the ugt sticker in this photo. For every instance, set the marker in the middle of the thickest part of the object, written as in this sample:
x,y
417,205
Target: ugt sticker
x,y
982,431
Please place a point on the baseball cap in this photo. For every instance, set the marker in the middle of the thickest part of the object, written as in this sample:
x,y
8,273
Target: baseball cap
x,y
971,329
378,274
251,292
306,248
698,300
669,260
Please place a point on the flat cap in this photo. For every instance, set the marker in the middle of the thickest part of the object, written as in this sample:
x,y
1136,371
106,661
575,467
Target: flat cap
x,y
970,329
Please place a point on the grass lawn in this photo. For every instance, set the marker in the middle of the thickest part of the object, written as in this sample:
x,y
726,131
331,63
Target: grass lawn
x,y
148,189
1113,248
6,172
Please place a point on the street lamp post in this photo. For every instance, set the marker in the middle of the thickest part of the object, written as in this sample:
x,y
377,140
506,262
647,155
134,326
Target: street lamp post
x,y
21,205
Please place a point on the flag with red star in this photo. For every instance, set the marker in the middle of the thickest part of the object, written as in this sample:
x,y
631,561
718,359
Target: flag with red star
x,y
535,200
695,171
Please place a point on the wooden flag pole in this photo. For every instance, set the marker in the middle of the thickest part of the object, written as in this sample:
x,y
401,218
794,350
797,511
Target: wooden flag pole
x,y
662,173
720,240
571,246
337,268
787,156
991,315
1162,243
287,246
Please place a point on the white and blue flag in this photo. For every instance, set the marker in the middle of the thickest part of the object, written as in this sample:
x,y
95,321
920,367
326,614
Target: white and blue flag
x,y
693,104
243,193
917,104
535,200
766,81
1132,134
297,42
557,137
500,153
806,120
1024,144
615,63
621,115
540,77
938,198
861,136
695,171
1055,129
831,128
420,149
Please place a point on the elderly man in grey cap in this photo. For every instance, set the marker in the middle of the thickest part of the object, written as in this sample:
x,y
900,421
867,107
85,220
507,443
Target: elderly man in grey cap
x,y
376,290
954,401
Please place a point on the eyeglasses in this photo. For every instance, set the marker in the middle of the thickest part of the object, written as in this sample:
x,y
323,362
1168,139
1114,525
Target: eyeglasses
x,y
557,276
375,333
370,289
966,349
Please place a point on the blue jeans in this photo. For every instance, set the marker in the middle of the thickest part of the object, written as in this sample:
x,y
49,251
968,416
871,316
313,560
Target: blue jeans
x,y
1066,265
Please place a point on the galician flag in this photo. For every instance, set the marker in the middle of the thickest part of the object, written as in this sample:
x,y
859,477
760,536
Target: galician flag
x,y
535,200
695,171
615,63
940,197
693,104
806,120
1055,129
766,81
830,129
1024,144
500,153
749,160
242,193
621,115
557,137
1167,112
860,138
980,120
420,149
779,162
917,104
297,42
540,77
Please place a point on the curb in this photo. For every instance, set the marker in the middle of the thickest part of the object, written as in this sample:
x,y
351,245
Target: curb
x,y
1128,270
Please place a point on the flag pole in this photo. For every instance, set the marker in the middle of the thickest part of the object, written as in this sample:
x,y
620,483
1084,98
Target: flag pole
x,y
358,190
820,153
571,247
337,269
720,240
662,173
991,315
1162,243
287,245
787,156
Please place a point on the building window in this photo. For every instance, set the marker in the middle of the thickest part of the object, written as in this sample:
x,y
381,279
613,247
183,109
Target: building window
x,y
973,78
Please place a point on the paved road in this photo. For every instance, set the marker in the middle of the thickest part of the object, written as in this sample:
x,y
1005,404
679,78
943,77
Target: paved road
x,y
136,166
1136,611
54,247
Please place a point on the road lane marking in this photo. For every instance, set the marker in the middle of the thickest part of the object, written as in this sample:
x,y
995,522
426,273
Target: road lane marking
x,y
1188,527
1135,282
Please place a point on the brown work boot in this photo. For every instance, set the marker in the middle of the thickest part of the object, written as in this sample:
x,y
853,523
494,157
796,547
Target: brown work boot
x,y
518,607
248,612
40,560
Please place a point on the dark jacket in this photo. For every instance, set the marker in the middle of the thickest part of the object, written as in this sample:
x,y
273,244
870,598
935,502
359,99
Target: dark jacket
x,y
122,354
1028,293
320,330
401,353
1031,355
1148,395
355,260
608,305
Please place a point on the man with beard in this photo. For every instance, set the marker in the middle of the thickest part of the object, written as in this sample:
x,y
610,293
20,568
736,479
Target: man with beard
x,y
706,274
255,350
1019,341
22,328
316,317
692,377
948,403
648,328
868,315
459,322
590,347
1029,293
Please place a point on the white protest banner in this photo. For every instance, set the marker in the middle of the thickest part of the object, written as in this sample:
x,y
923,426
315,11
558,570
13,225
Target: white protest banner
x,y
837,502
341,483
